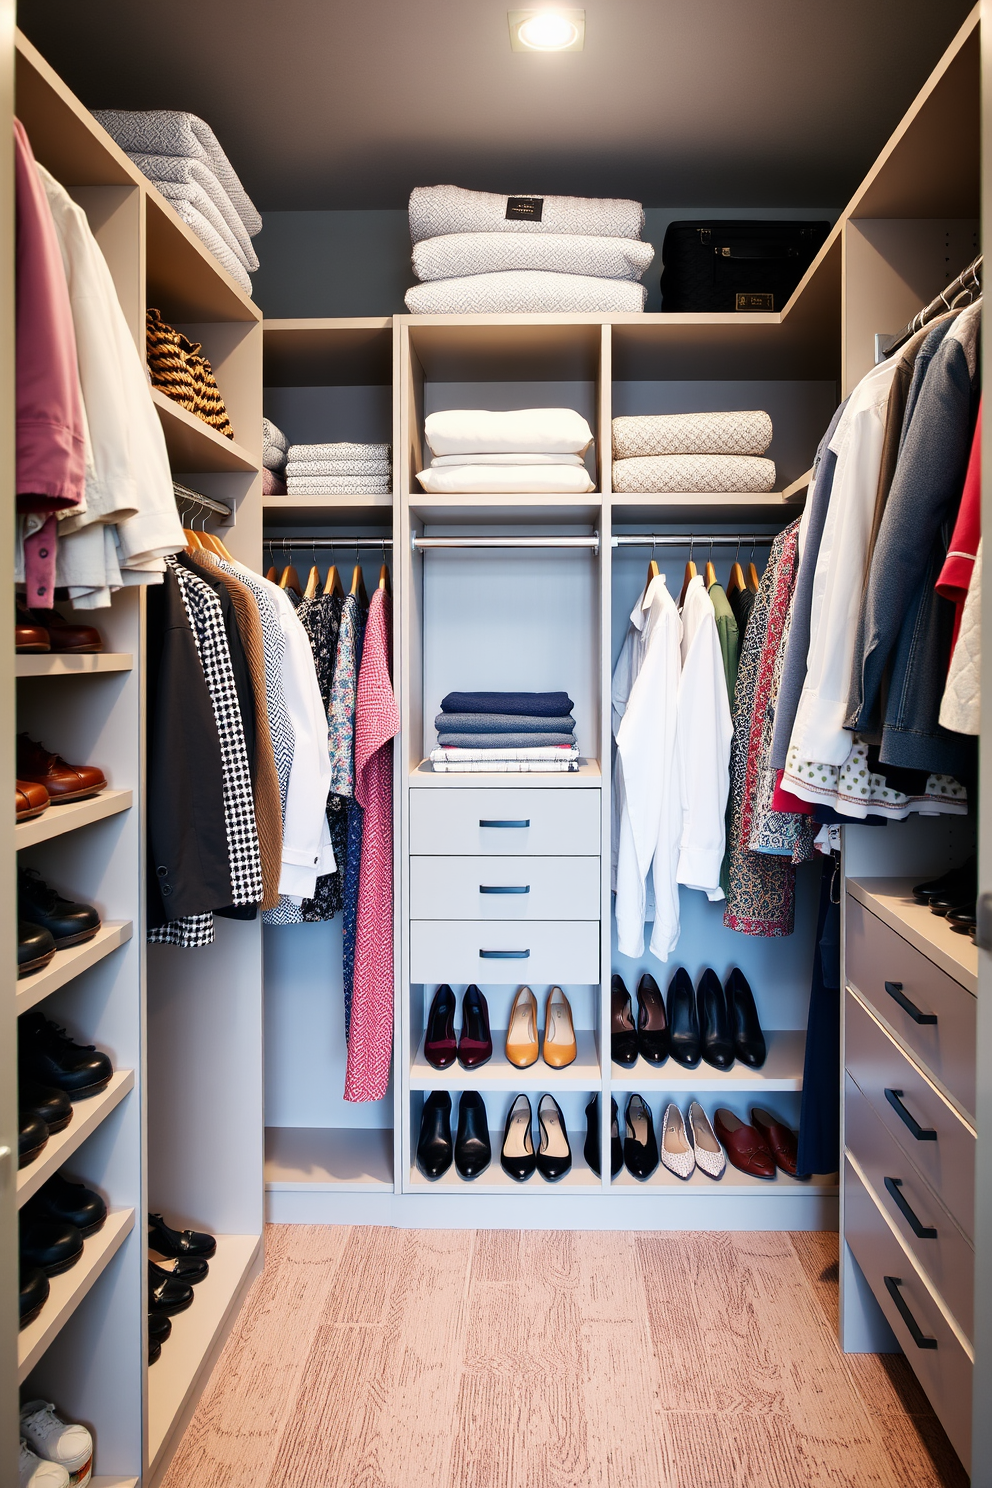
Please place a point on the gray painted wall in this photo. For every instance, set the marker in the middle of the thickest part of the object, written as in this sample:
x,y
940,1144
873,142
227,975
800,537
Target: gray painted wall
x,y
358,263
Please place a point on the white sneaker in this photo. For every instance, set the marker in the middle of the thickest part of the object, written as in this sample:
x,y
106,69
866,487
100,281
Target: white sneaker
x,y
34,1473
68,1445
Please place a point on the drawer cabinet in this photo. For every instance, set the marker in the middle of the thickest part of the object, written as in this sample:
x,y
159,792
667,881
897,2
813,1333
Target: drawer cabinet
x,y
924,1125
504,888
511,823
933,1015
912,1209
938,1358
515,951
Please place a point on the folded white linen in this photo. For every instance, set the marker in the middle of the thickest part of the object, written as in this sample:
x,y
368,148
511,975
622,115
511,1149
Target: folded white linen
x,y
338,467
747,432
213,242
179,169
337,485
526,292
439,210
481,431
174,132
461,254
189,191
669,474
504,479
340,451
529,752
506,767
449,461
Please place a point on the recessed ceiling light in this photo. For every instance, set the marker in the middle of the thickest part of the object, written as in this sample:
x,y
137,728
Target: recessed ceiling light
x,y
547,30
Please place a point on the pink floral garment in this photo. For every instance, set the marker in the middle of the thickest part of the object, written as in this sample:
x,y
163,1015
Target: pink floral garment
x,y
377,721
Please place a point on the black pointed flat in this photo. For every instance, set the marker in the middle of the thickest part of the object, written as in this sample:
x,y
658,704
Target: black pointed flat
x,y
715,1040
683,1020
745,1030
435,1149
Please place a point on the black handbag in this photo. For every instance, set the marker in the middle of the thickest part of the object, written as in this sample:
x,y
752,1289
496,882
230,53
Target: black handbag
x,y
736,265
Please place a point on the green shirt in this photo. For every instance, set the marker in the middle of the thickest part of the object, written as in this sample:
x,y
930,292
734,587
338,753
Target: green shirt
x,y
726,629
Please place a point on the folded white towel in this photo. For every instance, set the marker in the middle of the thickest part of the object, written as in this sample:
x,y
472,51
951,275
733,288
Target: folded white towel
x,y
452,753
179,169
213,242
338,467
670,474
437,210
479,431
338,485
502,479
744,433
189,191
449,461
507,767
526,292
339,451
462,254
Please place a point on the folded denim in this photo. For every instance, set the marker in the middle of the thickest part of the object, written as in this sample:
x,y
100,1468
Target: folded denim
x,y
497,723
530,704
503,741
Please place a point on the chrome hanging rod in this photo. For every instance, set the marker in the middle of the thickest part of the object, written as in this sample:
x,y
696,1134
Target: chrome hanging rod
x,y
422,544
694,539
968,282
309,543
185,497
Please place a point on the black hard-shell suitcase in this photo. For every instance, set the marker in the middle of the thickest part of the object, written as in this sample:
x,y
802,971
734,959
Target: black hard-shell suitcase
x,y
736,265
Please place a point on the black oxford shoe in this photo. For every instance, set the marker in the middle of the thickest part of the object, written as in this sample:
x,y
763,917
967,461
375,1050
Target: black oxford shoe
x,y
435,1150
68,924
159,1326
166,1294
72,1203
34,1293
53,1106
745,1030
166,1241
32,1135
473,1149
48,1055
189,1269
50,1244
683,1020
154,1351
35,948
715,1041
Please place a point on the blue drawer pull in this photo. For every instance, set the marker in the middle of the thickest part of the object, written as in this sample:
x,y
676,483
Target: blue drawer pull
x,y
504,888
921,1231
895,991
921,1133
892,1285
504,955
505,823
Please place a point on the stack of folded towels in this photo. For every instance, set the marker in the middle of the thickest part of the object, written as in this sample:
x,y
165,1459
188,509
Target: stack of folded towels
x,y
476,253
675,452
339,469
522,733
529,449
275,446
182,157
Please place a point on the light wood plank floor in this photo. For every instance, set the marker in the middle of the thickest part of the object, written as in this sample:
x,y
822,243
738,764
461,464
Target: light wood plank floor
x,y
381,1358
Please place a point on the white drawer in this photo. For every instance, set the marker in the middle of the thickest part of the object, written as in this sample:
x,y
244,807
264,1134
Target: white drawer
x,y
556,823
504,888
536,951
939,1360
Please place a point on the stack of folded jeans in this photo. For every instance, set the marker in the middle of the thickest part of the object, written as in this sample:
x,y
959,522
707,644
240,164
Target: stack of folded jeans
x,y
522,733
339,469
528,449
182,157
476,253
275,447
675,452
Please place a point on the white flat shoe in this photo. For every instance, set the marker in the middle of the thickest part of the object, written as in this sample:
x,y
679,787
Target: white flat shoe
x,y
709,1155
676,1149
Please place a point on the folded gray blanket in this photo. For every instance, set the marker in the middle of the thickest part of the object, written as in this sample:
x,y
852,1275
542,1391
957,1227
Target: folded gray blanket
x,y
525,292
503,741
437,210
461,254
213,242
669,474
173,132
511,723
339,451
338,467
745,433
274,445
337,485
179,170
188,191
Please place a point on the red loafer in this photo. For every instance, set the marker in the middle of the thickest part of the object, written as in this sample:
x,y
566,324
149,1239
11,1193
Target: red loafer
x,y
746,1149
780,1139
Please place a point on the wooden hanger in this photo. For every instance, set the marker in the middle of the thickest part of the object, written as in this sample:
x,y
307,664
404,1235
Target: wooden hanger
x,y
358,584
709,574
313,583
210,544
736,583
753,582
653,571
272,574
290,579
333,584
384,579
690,574
192,539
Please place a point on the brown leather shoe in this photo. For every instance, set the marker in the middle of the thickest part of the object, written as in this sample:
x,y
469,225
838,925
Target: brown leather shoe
x,y
29,637
746,1149
62,781
31,799
779,1138
62,635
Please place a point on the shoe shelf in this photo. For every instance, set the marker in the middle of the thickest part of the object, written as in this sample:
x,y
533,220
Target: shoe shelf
x,y
55,820
198,1334
101,1482
87,1115
782,1070
194,446
498,1073
891,900
580,1178
69,963
69,1289
733,1184
57,665
343,1159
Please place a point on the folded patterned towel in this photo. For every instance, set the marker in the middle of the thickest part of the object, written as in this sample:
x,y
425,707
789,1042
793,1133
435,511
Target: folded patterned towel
x,y
527,752
179,169
745,433
188,191
274,446
272,483
438,210
526,292
476,480
506,767
213,242
449,739
336,485
173,132
512,723
669,474
530,704
338,467
447,462
477,431
340,451
463,254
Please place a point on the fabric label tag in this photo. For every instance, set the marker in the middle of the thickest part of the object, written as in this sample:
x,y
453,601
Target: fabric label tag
x,y
755,302
528,208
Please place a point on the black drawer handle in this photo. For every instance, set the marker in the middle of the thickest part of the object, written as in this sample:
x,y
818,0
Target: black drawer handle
x,y
895,991
921,1133
504,955
505,823
892,1285
504,888
921,1231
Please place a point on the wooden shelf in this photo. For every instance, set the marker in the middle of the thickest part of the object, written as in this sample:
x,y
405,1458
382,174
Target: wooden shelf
x,y
499,1074
87,1115
345,1159
57,664
782,1070
69,963
101,1482
328,352
69,1289
175,1381
892,901
195,447
184,280
511,506
703,506
733,1184
312,511
797,487
587,775
579,1179
55,820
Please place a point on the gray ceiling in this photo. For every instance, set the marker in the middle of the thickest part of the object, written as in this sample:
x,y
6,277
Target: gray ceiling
x,y
328,104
